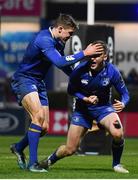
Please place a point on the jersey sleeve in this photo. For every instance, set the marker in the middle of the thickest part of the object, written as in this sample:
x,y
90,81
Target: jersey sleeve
x,y
72,90
46,46
120,86
67,70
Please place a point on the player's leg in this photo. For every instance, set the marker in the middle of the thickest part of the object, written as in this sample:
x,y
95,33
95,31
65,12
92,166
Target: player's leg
x,y
19,89
23,143
75,133
39,115
18,148
36,105
45,125
113,124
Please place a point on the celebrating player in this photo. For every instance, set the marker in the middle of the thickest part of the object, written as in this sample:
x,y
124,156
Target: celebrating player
x,y
45,49
91,84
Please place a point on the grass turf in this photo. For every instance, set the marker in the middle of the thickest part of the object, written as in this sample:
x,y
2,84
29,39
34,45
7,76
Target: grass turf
x,y
74,167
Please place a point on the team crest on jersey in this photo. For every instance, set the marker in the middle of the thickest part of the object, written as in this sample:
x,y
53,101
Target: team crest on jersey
x,y
75,119
69,58
34,87
84,81
105,81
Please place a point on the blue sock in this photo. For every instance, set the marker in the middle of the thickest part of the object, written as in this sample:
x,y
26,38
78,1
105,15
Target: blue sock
x,y
33,137
53,158
117,149
21,145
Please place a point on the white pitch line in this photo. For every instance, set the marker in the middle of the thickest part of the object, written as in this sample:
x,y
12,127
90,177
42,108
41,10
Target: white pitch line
x,y
13,157
44,156
131,154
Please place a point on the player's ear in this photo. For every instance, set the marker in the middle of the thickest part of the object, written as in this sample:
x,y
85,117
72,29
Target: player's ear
x,y
60,29
105,57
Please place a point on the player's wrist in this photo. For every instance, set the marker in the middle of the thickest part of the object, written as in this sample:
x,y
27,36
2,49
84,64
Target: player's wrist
x,y
85,99
84,52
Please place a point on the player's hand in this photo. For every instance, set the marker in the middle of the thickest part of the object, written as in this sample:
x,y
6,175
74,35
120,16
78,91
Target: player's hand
x,y
91,99
118,105
93,49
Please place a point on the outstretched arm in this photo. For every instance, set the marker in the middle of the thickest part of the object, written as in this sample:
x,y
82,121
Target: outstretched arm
x,y
47,47
74,91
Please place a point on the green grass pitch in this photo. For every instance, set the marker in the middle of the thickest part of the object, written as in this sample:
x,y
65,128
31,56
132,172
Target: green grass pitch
x,y
74,167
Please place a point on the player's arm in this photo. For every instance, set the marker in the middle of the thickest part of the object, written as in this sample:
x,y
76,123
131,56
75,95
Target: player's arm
x,y
121,88
73,91
74,84
47,47
67,70
61,61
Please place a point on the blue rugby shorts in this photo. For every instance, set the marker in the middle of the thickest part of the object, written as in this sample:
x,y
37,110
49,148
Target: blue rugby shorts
x,y
23,86
85,118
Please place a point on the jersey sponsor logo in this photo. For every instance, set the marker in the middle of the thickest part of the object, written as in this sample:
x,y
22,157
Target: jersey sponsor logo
x,y
105,81
84,81
70,58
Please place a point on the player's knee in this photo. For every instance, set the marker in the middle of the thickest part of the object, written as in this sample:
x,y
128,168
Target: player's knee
x,y
117,131
117,134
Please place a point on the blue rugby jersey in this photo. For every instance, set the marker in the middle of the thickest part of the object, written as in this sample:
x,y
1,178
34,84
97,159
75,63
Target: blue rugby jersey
x,y
83,84
41,53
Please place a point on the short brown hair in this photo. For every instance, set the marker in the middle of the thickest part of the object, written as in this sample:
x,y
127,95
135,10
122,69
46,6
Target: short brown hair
x,y
103,45
67,21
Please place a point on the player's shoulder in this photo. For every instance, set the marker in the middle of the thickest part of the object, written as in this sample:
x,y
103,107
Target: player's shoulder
x,y
79,69
112,67
44,35
43,32
113,70
44,39
81,66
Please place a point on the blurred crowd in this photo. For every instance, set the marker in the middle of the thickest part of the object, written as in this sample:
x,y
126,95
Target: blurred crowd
x,y
132,77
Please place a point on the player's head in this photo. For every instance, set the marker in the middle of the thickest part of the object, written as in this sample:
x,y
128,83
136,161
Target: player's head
x,y
97,60
65,26
105,48
66,21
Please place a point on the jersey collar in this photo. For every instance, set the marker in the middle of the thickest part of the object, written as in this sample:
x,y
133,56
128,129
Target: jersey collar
x,y
50,29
